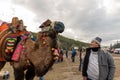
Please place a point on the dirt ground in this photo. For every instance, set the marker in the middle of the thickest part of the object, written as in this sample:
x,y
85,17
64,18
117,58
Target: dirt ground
x,y
66,70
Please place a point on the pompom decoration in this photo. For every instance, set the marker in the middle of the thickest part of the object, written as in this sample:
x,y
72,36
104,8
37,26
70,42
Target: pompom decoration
x,y
56,54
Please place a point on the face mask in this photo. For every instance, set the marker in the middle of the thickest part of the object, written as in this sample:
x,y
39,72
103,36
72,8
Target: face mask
x,y
95,49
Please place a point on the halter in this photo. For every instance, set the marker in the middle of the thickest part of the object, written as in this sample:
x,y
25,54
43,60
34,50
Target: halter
x,y
46,34
48,28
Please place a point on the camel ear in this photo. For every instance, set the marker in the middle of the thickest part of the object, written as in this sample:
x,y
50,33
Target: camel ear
x,y
45,24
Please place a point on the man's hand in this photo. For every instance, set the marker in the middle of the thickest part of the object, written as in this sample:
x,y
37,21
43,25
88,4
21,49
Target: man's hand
x,y
84,78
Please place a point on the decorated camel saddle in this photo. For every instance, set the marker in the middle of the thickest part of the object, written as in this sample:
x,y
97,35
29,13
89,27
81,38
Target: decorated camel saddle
x,y
11,35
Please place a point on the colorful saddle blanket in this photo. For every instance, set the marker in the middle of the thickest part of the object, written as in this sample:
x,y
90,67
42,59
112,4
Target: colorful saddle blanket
x,y
3,36
8,45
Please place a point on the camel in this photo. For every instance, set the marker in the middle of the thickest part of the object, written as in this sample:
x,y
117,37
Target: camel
x,y
36,56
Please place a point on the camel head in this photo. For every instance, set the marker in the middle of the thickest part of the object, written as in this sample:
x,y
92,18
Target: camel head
x,y
57,26
50,29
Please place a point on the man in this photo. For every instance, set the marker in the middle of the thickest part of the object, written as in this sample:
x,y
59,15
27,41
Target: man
x,y
66,53
97,65
73,55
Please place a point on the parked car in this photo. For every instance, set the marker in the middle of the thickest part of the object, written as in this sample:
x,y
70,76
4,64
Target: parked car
x,y
112,50
117,51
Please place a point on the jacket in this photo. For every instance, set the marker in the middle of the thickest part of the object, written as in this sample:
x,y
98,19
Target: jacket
x,y
106,65
73,53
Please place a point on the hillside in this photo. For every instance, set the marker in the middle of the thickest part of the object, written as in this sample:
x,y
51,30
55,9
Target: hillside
x,y
69,43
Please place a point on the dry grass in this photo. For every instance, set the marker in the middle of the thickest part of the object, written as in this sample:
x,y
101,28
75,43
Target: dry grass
x,y
116,55
117,71
67,70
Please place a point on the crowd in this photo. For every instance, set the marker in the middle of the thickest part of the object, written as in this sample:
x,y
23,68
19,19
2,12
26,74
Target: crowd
x,y
95,63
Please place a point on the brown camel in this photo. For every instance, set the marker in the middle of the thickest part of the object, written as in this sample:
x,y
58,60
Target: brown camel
x,y
38,55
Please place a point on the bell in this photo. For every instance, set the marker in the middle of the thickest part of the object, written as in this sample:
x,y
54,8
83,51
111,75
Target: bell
x,y
55,58
44,42
53,49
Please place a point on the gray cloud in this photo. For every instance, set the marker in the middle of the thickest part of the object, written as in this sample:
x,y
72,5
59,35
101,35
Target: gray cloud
x,y
85,17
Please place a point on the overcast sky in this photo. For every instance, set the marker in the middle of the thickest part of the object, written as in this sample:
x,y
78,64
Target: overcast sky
x,y
83,19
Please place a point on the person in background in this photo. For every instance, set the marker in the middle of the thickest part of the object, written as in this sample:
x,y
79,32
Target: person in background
x,y
81,56
61,55
97,65
73,55
41,78
66,53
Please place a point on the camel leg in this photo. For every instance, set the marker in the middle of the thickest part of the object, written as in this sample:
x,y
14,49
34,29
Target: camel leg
x,y
19,74
30,74
2,64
